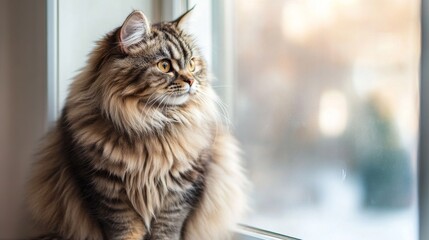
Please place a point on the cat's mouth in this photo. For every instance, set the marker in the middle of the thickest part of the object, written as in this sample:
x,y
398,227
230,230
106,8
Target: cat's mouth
x,y
178,99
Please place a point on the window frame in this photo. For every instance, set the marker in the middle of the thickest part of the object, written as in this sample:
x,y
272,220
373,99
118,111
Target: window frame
x,y
223,65
52,66
423,151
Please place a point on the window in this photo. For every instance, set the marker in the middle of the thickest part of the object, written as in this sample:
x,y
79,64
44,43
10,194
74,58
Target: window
x,y
326,108
323,96
325,104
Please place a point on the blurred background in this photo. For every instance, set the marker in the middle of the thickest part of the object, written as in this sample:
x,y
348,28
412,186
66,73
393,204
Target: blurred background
x,y
326,108
322,94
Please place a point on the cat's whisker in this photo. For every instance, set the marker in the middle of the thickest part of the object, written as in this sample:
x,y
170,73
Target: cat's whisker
x,y
202,98
225,112
222,107
221,86
162,104
158,101
150,107
149,100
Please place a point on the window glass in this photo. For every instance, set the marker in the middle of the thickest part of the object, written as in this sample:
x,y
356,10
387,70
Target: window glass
x,y
325,104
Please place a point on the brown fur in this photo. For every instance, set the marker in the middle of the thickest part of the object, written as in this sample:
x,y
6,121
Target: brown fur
x,y
123,164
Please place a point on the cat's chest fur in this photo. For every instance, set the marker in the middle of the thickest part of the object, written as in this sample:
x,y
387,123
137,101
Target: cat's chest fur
x,y
165,168
155,169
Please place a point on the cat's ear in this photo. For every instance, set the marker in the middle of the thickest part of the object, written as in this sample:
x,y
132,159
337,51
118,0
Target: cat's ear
x,y
135,27
180,21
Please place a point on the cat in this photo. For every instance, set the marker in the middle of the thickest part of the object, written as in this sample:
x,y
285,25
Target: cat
x,y
140,150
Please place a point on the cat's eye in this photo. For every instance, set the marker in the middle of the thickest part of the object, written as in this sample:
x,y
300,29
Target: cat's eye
x,y
191,65
164,66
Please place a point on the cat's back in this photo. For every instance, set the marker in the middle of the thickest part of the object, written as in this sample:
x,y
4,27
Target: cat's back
x,y
54,197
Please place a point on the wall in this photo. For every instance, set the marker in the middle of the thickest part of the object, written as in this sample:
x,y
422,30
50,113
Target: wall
x,y
22,105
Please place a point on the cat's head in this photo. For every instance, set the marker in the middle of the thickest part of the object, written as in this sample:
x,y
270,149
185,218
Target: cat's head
x,y
168,66
144,75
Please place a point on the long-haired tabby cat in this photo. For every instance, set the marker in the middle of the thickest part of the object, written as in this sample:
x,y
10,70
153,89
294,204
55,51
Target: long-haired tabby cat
x,y
139,151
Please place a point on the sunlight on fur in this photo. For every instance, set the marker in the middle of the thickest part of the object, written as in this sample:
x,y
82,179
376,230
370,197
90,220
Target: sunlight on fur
x,y
140,150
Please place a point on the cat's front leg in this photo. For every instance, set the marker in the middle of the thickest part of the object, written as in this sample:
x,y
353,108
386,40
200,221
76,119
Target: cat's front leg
x,y
223,199
169,222
120,221
124,230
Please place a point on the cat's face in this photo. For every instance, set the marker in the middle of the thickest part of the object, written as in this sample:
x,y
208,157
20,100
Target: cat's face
x,y
146,73
163,66
172,70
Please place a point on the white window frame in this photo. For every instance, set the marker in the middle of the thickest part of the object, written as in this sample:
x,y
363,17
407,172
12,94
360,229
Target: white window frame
x,y
52,56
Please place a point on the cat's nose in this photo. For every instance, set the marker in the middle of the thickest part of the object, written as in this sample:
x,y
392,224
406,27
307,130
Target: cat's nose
x,y
189,80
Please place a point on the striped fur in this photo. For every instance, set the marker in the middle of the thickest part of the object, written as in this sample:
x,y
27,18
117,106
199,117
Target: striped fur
x,y
138,153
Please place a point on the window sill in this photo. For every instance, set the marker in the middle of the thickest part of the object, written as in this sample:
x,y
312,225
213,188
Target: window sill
x,y
245,232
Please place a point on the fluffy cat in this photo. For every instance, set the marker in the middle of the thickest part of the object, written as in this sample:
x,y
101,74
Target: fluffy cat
x,y
139,151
